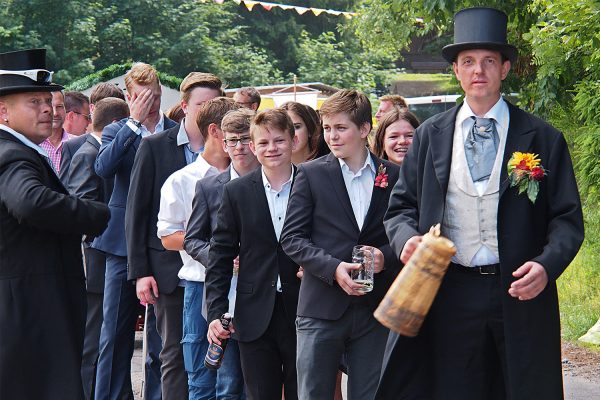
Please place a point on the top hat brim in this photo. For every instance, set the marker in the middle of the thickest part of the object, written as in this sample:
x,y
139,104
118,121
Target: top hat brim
x,y
52,87
450,52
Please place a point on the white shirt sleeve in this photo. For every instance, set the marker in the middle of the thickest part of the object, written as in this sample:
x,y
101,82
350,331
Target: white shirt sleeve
x,y
171,215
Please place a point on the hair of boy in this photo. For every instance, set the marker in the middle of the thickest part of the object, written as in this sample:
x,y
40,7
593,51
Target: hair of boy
x,y
237,121
199,79
108,110
76,101
392,116
274,118
395,99
212,112
351,102
311,120
142,74
175,113
252,93
104,90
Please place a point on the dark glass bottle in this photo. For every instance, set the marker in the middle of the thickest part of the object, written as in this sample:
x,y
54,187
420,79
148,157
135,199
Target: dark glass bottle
x,y
215,353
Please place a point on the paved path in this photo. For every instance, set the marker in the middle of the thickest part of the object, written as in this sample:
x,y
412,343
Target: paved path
x,y
576,388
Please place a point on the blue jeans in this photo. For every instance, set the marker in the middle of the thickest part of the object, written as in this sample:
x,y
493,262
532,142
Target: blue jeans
x,y
205,384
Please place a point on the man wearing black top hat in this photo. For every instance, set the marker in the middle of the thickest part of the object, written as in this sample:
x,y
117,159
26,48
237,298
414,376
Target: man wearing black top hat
x,y
501,183
42,289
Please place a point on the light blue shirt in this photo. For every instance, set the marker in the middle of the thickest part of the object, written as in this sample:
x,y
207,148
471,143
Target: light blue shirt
x,y
359,187
184,140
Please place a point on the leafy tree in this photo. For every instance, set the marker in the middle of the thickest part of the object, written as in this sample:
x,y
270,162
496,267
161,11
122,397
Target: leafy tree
x,y
339,63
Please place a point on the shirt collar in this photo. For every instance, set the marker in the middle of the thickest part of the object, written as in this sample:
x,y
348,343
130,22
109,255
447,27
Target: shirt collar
x,y
266,183
98,138
24,140
160,126
368,164
182,136
499,112
233,174
203,165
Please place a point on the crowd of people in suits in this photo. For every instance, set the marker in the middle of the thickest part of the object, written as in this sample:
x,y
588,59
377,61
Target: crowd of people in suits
x,y
218,208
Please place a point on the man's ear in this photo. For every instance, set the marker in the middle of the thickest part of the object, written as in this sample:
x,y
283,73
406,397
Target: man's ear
x,y
365,129
505,69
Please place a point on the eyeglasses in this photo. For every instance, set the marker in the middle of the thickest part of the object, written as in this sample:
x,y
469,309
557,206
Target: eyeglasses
x,y
233,142
36,75
86,116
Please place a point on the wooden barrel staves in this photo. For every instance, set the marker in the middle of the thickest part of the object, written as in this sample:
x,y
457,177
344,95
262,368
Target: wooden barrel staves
x,y
408,300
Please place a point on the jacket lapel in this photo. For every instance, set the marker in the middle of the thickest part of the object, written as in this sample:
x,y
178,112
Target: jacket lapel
x,y
520,134
377,197
337,183
180,150
262,204
441,141
91,140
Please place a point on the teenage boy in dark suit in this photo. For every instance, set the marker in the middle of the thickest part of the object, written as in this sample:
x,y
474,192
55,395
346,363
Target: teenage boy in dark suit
x,y
337,204
249,223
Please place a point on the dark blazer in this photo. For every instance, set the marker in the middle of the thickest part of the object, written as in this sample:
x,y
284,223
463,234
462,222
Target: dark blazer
x,y
115,160
244,227
68,149
549,232
203,220
42,292
83,182
320,230
157,158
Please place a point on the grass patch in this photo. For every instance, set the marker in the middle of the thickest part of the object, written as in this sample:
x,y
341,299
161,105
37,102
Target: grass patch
x,y
414,85
579,285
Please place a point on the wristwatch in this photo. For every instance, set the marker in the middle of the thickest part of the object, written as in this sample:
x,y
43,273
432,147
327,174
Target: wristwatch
x,y
134,124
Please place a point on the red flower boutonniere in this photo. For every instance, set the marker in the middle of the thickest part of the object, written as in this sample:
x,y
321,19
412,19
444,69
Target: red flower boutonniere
x,y
525,172
381,180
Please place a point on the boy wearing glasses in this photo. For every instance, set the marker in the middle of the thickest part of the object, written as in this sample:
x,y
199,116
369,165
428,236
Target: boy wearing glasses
x,y
249,223
175,208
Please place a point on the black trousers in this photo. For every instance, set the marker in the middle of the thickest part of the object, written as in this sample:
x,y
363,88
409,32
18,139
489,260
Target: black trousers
x,y
269,362
465,334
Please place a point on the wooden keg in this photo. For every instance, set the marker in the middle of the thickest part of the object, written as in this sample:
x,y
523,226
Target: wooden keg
x,y
408,300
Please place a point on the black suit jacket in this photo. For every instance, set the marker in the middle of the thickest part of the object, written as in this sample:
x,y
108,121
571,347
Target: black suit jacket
x,y
156,159
320,230
68,149
244,227
83,182
549,232
42,292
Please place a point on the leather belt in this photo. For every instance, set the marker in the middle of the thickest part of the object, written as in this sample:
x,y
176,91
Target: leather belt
x,y
490,269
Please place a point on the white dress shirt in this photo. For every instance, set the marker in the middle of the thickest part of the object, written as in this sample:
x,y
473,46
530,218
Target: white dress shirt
x,y
463,125
176,197
277,206
359,187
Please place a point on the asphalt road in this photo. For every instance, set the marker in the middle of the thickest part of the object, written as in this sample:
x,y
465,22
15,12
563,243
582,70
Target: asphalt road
x,y
576,388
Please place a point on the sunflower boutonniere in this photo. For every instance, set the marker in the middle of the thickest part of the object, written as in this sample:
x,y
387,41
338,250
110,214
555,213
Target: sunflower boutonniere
x,y
381,180
525,171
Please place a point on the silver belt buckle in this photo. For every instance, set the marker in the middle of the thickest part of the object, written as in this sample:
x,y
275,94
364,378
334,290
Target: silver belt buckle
x,y
482,272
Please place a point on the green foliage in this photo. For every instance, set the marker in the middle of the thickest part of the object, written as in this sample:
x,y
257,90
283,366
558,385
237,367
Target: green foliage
x,y
339,63
114,71
578,288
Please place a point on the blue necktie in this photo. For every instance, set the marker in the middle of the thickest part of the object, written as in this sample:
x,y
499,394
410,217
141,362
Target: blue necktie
x,y
481,147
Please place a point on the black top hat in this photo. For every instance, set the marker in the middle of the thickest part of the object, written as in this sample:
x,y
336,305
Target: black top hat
x,y
479,28
25,60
